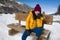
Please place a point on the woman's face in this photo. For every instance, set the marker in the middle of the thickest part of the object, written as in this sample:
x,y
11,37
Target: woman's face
x,y
37,12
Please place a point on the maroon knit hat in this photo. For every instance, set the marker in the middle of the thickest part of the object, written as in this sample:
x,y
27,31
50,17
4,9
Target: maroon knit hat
x,y
37,8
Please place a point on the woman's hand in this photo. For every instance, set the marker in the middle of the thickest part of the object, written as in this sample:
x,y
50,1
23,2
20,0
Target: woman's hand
x,y
28,32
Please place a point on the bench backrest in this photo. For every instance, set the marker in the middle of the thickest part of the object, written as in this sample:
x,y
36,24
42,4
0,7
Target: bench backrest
x,y
22,17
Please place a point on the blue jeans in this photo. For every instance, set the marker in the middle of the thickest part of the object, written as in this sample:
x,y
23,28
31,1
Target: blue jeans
x,y
38,32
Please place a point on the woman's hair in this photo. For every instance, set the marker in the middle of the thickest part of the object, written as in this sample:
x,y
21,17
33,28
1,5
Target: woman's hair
x,y
38,16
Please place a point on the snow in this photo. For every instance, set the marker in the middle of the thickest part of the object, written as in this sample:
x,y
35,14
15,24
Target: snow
x,y
23,23
54,28
19,2
10,18
1,4
56,17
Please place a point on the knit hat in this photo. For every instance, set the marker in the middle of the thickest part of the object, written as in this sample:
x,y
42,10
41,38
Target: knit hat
x,y
37,8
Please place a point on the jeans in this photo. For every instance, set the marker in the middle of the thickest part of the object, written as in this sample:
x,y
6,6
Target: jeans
x,y
38,32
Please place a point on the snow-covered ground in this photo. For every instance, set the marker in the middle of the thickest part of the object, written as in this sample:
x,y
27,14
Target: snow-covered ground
x,y
56,17
9,18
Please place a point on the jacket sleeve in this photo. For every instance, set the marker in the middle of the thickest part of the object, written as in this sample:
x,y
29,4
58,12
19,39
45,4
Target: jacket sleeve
x,y
28,21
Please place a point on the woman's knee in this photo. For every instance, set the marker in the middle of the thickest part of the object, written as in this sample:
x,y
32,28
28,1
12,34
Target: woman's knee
x,y
39,32
25,34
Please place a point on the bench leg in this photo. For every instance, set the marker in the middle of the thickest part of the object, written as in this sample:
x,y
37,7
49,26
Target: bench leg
x,y
12,32
36,38
42,38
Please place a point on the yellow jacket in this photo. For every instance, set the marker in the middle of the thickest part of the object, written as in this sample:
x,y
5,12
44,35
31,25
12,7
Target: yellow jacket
x,y
31,23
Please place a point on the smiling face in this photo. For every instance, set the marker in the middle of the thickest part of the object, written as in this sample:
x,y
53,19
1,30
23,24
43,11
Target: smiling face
x,y
37,12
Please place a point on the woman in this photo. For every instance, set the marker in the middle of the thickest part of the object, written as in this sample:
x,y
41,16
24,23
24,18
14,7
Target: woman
x,y
34,23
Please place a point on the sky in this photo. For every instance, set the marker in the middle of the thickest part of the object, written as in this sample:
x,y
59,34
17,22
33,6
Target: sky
x,y
49,6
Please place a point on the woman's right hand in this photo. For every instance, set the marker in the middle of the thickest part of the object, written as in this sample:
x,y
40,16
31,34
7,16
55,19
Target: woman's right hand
x,y
28,32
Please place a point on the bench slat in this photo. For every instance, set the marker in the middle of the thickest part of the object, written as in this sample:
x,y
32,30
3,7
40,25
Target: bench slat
x,y
22,17
16,27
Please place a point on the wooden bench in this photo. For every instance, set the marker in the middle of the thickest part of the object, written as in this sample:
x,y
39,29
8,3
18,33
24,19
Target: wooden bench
x,y
15,28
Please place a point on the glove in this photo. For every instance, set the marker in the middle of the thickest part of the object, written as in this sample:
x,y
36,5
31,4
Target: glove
x,y
28,32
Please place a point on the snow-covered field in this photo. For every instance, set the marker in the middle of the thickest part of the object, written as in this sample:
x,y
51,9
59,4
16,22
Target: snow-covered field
x,y
9,18
56,17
